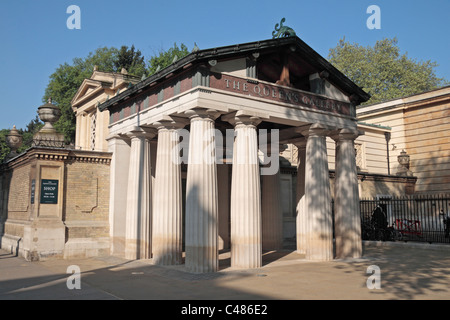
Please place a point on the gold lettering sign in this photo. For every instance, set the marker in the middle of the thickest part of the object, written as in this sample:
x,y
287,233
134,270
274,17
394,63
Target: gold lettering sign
x,y
280,94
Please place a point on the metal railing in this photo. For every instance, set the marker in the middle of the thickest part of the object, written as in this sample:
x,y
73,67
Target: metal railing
x,y
423,218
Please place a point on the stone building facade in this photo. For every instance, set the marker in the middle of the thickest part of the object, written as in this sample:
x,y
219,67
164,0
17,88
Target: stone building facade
x,y
189,183
92,125
419,125
187,161
54,204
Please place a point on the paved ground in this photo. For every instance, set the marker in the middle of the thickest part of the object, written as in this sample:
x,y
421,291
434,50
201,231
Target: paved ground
x,y
408,271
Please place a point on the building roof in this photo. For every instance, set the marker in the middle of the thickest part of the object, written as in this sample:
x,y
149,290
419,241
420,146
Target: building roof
x,y
417,99
304,55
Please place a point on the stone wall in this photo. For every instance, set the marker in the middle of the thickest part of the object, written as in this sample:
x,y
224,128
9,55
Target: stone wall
x,y
427,128
87,206
76,225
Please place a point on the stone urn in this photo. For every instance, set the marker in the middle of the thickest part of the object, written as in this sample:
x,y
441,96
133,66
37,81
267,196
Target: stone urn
x,y
14,141
48,136
404,160
49,114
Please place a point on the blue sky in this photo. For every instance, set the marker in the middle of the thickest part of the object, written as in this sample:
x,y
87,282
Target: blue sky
x,y
35,39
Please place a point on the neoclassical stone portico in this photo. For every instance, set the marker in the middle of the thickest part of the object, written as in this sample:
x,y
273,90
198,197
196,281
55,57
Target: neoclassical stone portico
x,y
183,189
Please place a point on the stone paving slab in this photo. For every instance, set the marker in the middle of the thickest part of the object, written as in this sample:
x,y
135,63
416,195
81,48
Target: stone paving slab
x,y
408,272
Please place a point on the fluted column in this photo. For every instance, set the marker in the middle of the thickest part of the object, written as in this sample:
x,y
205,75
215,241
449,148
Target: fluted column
x,y
300,197
201,194
138,210
271,211
167,204
318,219
119,146
347,212
246,246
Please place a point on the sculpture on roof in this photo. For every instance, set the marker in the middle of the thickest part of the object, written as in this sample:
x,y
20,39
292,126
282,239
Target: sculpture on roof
x,y
282,31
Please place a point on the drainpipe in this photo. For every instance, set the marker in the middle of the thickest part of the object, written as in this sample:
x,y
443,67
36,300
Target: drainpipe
x,y
387,135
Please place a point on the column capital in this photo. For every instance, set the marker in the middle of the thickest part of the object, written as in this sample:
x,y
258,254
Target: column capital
x,y
316,129
244,118
170,123
117,137
142,132
347,134
202,114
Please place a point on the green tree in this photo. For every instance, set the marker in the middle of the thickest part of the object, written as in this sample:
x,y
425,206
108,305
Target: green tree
x,y
4,149
67,78
34,125
165,58
130,59
27,136
382,71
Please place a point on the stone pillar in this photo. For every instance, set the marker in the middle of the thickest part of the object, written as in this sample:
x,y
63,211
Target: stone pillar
x,y
167,204
246,246
83,131
300,197
346,195
271,211
78,130
119,146
138,213
201,194
318,218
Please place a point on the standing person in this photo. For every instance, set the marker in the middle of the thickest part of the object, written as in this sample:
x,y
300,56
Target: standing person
x,y
446,221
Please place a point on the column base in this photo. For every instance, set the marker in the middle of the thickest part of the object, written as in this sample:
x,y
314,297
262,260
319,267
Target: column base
x,y
201,259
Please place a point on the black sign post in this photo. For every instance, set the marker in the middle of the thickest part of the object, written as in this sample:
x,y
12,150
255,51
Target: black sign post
x,y
49,191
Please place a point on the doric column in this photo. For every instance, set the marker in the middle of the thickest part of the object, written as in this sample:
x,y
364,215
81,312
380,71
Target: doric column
x,y
318,219
138,213
119,146
246,246
300,196
346,195
271,211
167,204
201,194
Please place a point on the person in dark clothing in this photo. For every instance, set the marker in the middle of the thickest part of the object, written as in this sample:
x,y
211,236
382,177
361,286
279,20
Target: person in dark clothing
x,y
446,221
379,219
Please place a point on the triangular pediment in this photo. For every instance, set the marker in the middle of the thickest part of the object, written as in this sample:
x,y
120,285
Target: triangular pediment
x,y
286,62
88,88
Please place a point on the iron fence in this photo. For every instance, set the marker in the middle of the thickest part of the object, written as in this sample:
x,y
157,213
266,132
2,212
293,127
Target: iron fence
x,y
423,218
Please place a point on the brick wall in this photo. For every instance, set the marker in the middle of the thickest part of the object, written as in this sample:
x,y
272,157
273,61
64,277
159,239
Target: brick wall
x,y
19,193
87,198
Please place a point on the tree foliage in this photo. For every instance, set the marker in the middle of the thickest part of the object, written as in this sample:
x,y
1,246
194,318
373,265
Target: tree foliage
x,y
67,78
382,71
166,58
130,59
27,135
